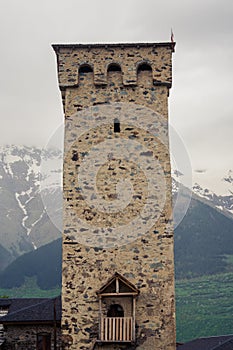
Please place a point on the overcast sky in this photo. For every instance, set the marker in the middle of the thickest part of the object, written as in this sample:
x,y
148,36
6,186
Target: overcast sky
x,y
201,99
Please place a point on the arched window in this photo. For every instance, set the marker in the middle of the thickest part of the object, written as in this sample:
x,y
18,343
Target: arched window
x,y
144,66
115,310
114,67
85,68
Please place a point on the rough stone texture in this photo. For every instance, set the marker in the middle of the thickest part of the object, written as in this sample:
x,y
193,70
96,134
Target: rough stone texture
x,y
24,337
145,259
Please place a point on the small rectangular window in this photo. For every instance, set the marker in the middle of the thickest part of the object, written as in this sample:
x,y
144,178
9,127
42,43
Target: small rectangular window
x,y
43,342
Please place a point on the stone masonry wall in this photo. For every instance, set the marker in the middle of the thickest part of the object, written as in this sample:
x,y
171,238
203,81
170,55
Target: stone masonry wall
x,y
97,243
24,337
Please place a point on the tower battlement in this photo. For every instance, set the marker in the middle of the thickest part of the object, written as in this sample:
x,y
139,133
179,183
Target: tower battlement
x,y
99,57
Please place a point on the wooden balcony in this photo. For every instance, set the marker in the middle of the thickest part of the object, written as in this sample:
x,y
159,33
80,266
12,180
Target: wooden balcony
x,y
117,329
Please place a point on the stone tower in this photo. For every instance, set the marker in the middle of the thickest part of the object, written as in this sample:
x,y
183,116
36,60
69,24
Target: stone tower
x,y
118,266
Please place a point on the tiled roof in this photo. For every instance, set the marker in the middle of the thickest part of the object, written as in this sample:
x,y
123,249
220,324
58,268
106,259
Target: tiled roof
x,y
208,343
31,310
4,302
227,345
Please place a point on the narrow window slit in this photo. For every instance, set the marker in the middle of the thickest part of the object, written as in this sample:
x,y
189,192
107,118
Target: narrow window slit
x,y
74,156
117,127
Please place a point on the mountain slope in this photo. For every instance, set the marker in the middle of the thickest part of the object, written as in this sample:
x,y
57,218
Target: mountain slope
x,y
203,242
43,263
203,246
5,257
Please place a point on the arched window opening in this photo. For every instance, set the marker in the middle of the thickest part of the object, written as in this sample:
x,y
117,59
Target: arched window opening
x,y
86,68
144,67
117,126
114,67
115,310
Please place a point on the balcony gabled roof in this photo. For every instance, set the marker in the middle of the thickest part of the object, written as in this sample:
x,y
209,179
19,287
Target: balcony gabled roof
x,y
117,285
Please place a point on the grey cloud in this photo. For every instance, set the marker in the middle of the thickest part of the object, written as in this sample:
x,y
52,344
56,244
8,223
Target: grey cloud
x,y
201,104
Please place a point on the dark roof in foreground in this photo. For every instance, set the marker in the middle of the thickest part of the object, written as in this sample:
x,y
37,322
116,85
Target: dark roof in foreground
x,y
227,345
31,310
209,343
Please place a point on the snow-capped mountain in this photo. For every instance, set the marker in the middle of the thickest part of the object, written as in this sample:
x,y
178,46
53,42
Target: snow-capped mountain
x,y
24,194
221,197
222,202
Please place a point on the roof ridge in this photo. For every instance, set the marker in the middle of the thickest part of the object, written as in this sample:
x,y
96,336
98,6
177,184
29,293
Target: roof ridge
x,y
225,342
215,336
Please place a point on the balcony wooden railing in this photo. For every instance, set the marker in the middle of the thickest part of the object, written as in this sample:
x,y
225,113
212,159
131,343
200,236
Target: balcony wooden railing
x,y
117,329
